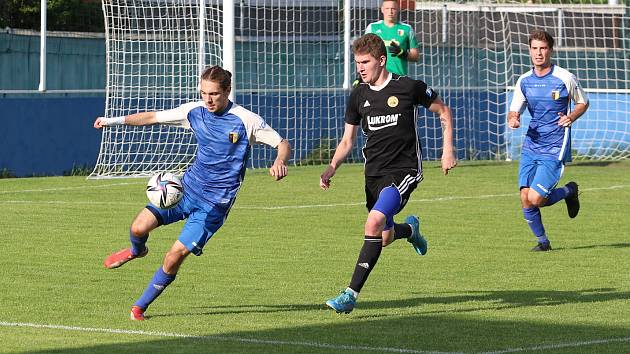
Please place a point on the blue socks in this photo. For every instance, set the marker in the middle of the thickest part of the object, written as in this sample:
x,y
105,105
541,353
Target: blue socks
x,y
558,194
534,220
137,243
159,282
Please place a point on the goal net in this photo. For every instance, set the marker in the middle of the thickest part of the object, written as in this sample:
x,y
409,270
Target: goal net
x,y
472,53
289,59
155,53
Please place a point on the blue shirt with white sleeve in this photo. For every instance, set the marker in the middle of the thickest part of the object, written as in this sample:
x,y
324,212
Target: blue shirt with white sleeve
x,y
223,145
546,96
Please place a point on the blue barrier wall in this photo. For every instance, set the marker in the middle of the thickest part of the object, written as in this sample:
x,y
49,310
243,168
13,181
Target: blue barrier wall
x,y
49,136
42,134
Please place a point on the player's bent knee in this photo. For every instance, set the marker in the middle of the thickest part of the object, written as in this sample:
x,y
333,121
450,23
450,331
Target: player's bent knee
x,y
137,229
174,259
374,224
144,223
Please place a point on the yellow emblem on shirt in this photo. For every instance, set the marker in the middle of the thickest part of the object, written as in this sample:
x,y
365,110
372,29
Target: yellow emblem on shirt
x,y
555,95
392,101
233,137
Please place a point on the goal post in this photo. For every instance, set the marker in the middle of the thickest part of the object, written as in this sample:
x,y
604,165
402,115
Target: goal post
x,y
291,64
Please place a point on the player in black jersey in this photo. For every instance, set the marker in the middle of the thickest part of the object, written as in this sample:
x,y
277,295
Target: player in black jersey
x,y
385,106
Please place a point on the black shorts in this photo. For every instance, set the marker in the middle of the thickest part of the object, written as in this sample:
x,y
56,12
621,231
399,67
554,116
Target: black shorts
x,y
405,181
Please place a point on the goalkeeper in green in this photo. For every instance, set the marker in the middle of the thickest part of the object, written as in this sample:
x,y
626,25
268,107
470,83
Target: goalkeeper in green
x,y
399,38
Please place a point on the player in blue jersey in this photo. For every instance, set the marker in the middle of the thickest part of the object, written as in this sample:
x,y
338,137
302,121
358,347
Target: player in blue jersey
x,y
224,132
546,91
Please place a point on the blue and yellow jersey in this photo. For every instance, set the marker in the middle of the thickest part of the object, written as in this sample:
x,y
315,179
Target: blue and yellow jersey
x,y
223,145
545,97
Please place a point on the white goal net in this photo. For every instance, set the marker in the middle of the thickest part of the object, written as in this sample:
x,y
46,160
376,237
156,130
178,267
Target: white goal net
x,y
289,58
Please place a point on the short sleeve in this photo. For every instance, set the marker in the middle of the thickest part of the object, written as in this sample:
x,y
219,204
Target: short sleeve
x,y
413,42
352,108
519,102
425,95
265,134
177,116
258,131
577,92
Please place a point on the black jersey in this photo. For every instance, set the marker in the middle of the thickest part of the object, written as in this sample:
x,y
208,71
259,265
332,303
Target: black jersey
x,y
387,115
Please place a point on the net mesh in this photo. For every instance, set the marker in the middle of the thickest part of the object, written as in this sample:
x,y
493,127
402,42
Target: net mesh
x,y
289,60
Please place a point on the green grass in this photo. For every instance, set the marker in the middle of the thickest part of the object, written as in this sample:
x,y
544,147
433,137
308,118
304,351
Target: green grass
x,y
262,281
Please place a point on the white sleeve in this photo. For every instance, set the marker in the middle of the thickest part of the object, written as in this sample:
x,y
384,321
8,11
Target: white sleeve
x,y
575,90
258,131
177,116
266,135
519,102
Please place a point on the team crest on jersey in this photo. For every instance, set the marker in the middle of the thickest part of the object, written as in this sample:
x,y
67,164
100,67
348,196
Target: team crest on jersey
x,y
429,92
555,95
401,32
233,137
392,101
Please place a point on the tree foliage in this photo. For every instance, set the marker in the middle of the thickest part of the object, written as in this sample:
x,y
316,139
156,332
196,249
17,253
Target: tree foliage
x,y
61,15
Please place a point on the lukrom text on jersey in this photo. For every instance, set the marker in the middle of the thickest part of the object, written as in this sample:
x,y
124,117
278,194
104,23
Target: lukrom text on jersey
x,y
375,122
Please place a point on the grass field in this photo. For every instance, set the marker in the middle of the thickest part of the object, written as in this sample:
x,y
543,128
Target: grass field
x,y
288,246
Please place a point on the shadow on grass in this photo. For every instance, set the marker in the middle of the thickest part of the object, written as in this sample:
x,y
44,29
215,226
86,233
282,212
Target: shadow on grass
x,y
456,329
482,300
586,163
612,245
403,334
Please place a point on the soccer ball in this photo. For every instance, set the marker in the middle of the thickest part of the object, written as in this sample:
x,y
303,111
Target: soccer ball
x,y
165,190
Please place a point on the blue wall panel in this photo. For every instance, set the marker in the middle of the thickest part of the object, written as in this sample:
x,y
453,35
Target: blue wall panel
x,y
48,136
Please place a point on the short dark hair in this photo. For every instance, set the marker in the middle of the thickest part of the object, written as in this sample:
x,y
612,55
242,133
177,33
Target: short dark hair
x,y
217,74
369,44
540,35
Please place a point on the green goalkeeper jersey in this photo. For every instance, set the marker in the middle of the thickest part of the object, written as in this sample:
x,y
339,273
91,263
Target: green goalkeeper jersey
x,y
403,35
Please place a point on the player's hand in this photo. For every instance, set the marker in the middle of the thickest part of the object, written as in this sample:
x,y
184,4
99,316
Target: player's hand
x,y
97,123
564,120
396,50
279,170
448,162
324,179
514,122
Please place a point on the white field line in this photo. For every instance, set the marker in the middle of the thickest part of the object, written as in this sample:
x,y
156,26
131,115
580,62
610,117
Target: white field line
x,y
301,343
68,188
220,338
283,207
561,345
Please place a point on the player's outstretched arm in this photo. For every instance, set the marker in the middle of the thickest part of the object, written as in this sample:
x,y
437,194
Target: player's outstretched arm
x,y
342,151
142,118
446,120
279,169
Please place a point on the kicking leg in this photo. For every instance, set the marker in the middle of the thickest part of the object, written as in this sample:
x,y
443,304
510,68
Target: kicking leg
x,y
145,222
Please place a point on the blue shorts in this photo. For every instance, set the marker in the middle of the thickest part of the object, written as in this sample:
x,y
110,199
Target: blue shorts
x,y
542,175
204,220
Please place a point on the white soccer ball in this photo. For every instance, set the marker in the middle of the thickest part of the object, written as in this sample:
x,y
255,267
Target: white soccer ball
x,y
165,190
